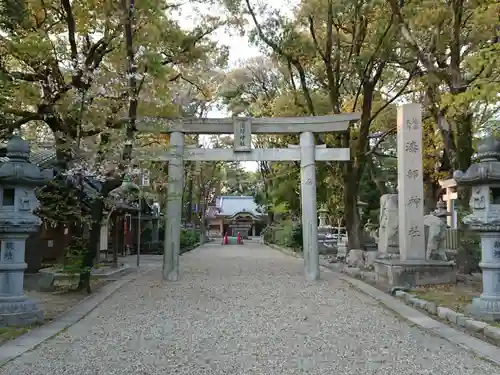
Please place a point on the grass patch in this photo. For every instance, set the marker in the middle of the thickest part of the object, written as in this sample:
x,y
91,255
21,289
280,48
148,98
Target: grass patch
x,y
10,333
455,297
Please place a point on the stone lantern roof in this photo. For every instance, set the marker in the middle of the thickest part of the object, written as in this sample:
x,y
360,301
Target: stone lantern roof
x,y
487,170
18,170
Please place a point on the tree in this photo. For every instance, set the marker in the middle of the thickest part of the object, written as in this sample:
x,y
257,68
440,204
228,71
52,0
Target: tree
x,y
88,71
322,44
457,45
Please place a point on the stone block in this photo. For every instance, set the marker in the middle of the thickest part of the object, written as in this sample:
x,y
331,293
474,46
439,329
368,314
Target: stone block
x,y
453,316
442,312
421,304
492,333
474,325
431,308
341,251
356,258
487,309
412,301
407,297
413,273
353,272
370,257
461,319
46,281
400,294
369,276
20,313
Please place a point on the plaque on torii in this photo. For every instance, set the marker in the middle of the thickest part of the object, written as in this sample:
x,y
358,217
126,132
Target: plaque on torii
x,y
242,134
242,128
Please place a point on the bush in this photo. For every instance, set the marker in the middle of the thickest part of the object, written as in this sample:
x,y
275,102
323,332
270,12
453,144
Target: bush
x,y
297,236
73,256
189,238
469,252
285,233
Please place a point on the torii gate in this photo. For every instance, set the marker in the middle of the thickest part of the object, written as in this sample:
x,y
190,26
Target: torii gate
x,y
243,128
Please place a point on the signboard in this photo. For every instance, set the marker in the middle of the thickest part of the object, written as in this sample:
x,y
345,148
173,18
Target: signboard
x,y
240,225
145,178
242,134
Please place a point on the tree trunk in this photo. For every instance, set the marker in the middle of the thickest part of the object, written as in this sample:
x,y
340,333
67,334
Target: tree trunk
x,y
203,230
91,254
431,191
270,218
97,214
352,220
465,150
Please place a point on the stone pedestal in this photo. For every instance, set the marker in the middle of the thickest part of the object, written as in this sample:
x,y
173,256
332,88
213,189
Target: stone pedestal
x,y
411,273
15,308
487,306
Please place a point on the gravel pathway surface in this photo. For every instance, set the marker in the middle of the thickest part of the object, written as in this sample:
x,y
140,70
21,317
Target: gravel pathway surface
x,y
244,310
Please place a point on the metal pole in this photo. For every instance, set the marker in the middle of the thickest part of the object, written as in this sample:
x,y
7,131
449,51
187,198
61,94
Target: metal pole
x,y
139,227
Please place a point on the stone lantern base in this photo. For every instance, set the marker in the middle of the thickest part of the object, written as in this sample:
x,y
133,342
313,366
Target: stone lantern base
x,y
485,308
21,312
410,273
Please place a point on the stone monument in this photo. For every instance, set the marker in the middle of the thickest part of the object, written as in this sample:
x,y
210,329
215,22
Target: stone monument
x,y
435,236
388,240
484,179
412,267
18,179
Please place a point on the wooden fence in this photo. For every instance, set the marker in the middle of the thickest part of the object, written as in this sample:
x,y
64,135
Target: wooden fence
x,y
451,239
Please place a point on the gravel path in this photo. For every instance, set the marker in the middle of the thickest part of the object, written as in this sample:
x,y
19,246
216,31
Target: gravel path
x,y
244,310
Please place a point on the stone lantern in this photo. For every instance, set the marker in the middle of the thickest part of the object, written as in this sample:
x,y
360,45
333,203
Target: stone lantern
x,y
361,206
322,216
18,180
484,179
441,211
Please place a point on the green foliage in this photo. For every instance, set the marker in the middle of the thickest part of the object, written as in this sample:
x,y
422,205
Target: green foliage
x,y
327,57
61,203
469,244
297,236
285,233
189,238
73,257
469,251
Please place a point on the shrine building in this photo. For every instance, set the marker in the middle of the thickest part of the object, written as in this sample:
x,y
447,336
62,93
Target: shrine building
x,y
233,214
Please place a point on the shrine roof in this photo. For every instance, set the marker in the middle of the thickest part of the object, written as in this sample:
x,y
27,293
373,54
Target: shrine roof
x,y
45,158
230,205
41,157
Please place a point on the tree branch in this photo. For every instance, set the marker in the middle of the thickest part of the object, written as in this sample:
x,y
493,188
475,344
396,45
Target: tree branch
x,y
70,21
381,139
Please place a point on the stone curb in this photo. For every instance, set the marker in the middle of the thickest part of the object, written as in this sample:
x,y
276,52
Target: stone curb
x,y
29,341
285,251
472,344
444,313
